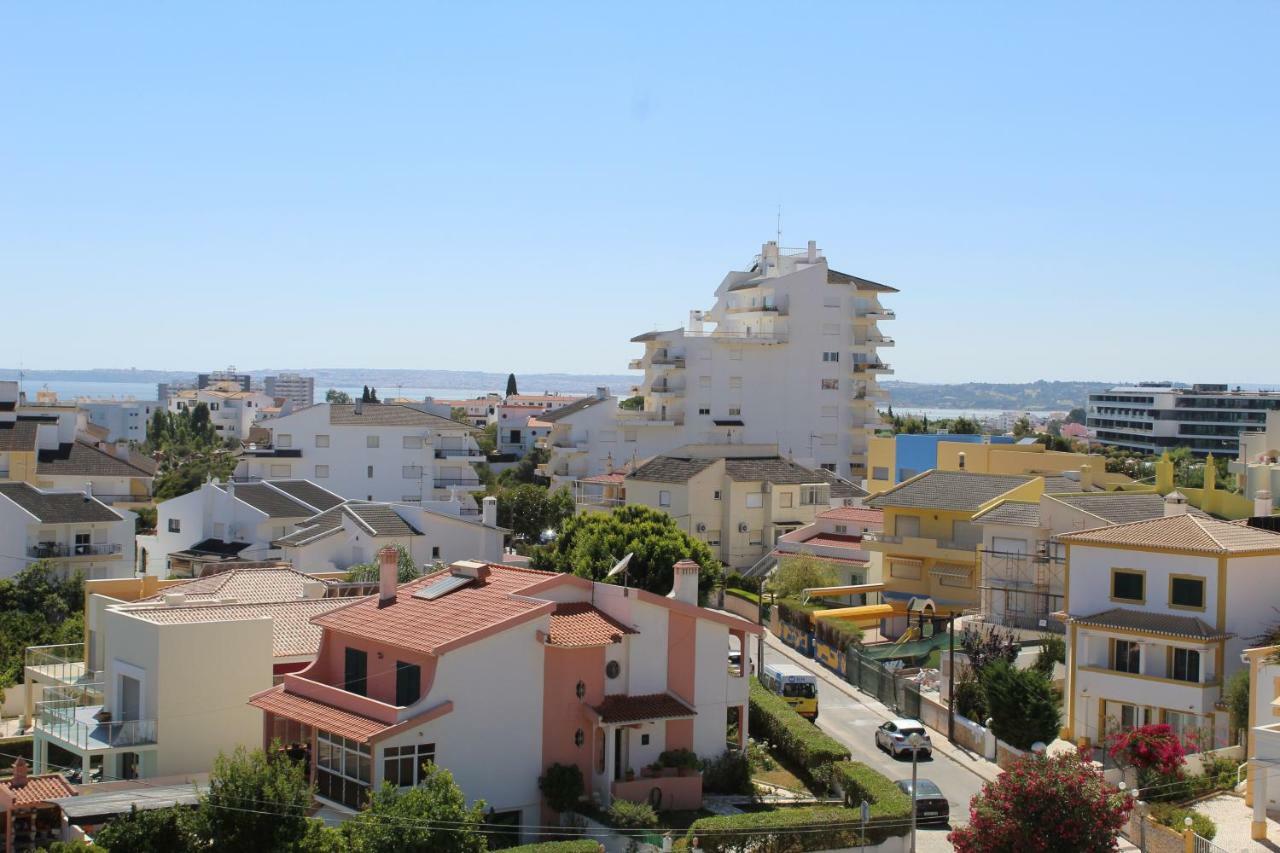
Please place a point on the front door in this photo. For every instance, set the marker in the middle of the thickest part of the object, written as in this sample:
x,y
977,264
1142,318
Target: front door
x,y
130,698
619,754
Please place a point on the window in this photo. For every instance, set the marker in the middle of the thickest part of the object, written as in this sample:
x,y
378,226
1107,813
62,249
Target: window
x,y
702,410
322,472
1128,585
715,496
322,441
735,355
411,442
831,356
372,441
369,473
355,671
828,466
1182,723
735,383
755,500
830,411
411,472
755,537
344,769
735,411
644,740
830,384
664,498
1126,656
713,537
832,301
842,529
786,499
1184,665
175,525
280,470
435,552
608,436
908,570
284,439
810,495
629,435
830,328
879,472
906,525
402,765
515,436
1185,591
408,683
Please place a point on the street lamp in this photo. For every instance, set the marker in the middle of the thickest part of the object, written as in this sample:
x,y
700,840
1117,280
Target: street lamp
x,y
915,741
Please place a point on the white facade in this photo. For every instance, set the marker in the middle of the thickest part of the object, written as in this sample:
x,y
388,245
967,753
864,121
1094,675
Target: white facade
x,y
376,452
300,391
1154,418
81,534
124,420
788,355
232,412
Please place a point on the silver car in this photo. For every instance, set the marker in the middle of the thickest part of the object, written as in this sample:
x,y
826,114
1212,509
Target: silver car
x,y
894,735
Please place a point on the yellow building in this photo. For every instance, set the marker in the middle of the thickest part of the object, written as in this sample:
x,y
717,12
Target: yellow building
x,y
929,547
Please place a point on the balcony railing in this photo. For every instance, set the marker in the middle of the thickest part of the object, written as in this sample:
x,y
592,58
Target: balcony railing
x,y
744,337
63,662
85,727
457,452
670,360
457,482
52,550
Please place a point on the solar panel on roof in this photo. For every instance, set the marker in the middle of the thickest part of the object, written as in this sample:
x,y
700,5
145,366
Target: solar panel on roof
x,y
443,587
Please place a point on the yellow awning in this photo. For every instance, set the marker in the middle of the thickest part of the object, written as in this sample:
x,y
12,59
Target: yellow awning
x,y
952,571
854,589
868,612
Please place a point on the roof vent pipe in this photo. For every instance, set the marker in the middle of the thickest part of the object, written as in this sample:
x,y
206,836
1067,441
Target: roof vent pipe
x,y
1262,506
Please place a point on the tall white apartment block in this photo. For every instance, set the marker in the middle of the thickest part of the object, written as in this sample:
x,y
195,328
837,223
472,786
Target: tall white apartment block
x,y
1155,417
297,389
788,355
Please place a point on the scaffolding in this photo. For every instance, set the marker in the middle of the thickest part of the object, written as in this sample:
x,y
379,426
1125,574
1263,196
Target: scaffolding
x,y
1024,590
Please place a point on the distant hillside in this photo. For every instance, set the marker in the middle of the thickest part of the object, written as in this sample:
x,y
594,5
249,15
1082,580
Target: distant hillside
x,y
1014,396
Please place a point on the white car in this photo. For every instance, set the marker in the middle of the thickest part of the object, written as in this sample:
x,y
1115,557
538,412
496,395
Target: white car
x,y
894,736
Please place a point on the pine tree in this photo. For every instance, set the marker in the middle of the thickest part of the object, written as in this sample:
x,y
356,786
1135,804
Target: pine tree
x,y
511,385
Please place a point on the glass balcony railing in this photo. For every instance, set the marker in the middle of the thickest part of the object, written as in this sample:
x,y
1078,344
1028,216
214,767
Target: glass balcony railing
x,y
63,662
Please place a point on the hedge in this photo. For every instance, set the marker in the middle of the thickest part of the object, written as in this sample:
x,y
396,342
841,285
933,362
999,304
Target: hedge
x,y
772,719
744,594
838,632
797,613
824,828
1174,817
890,807
584,845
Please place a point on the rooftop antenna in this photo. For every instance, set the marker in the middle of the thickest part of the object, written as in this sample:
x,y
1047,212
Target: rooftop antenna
x,y
779,224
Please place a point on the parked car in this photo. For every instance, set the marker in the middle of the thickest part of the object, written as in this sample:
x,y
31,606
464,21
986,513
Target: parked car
x,y
931,806
893,737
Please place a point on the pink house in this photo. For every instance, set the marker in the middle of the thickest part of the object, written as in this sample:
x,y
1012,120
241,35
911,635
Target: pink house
x,y
497,672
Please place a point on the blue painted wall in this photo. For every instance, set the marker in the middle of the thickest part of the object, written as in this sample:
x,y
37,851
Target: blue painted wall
x,y
915,454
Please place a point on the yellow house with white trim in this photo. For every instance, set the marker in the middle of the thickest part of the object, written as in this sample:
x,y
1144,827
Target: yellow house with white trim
x,y
1158,613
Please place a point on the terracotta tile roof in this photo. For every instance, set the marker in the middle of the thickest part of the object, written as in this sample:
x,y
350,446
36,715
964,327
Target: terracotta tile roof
x,y
380,519
19,435
292,631
616,477
1165,624
317,714
856,514
953,490
649,706
1182,533
853,561
578,624
425,626
246,586
38,789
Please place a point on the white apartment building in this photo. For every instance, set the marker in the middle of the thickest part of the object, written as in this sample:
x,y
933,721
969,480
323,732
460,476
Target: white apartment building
x,y
71,530
231,410
835,537
479,410
371,451
299,390
225,521
353,532
1158,613
788,355
124,420
1154,417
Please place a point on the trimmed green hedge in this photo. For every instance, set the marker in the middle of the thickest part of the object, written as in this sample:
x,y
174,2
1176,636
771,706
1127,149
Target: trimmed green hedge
x,y
1173,816
796,613
744,594
838,632
825,828
772,719
889,806
585,845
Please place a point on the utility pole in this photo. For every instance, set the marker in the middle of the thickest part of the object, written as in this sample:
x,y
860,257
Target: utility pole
x,y
951,679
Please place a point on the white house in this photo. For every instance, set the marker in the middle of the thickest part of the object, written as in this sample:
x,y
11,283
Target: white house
x,y
232,410
72,530
369,451
1158,613
788,355
353,532
124,420
222,521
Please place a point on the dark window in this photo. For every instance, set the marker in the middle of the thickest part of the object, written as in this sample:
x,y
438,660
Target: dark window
x,y
408,683
356,671
613,669
644,740
1187,592
175,525
502,829
435,552
515,436
1127,657
1127,585
1186,665
402,765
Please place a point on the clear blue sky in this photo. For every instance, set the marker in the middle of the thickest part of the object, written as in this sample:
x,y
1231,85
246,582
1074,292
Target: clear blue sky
x,y
1072,190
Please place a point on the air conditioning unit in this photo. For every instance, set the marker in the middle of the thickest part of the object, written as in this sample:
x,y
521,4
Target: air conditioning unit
x,y
701,528
742,527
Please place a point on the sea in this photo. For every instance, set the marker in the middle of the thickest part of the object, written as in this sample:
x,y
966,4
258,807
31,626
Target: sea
x,y
70,390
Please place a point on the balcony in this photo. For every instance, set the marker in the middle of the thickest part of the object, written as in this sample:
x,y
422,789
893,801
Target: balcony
x,y
668,360
752,309
742,337
69,718
569,445
680,789
864,368
458,453
62,664
458,483
647,418
920,547
54,550
881,341
635,364
876,314
664,389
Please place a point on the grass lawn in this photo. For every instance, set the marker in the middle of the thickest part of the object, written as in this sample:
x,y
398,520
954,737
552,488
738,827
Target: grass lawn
x,y
783,775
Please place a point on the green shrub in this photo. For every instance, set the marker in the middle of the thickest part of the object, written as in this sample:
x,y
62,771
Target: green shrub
x,y
744,594
971,701
1021,703
684,758
1174,816
838,633
562,785
733,580
730,773
825,828
584,845
1053,649
772,719
625,814
796,613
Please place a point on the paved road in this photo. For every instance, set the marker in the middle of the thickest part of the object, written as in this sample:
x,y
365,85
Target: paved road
x,y
853,721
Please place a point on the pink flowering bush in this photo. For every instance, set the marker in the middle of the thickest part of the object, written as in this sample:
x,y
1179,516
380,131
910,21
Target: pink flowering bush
x,y
1152,749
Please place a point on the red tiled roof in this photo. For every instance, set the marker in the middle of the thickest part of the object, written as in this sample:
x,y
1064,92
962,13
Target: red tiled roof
x,y
426,626
245,585
317,714
834,540
860,514
578,624
292,631
633,709
824,558
38,789
605,478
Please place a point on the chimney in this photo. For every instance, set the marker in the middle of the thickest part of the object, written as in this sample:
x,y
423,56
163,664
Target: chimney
x,y
961,458
19,773
175,599
388,570
684,585
122,449
88,491
489,511
1262,506
812,256
313,589
1086,478
1175,503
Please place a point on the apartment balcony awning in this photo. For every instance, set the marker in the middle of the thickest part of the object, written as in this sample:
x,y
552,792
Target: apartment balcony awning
x,y
1148,622
951,571
318,715
620,709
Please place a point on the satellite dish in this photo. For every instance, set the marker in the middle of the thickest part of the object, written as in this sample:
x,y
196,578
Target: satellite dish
x,y
620,566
